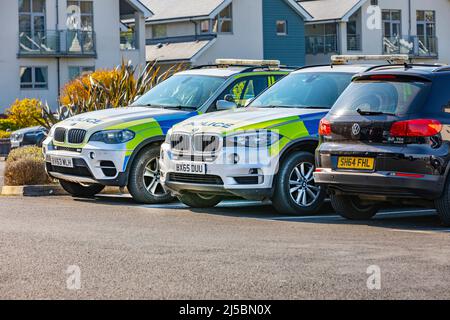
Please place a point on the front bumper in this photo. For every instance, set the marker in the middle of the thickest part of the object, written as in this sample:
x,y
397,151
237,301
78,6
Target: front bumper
x,y
93,163
250,180
385,184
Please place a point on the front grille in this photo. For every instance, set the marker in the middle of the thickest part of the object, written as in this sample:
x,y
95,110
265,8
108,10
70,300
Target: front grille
x,y
60,134
180,142
76,136
80,169
108,168
247,180
195,178
77,150
206,143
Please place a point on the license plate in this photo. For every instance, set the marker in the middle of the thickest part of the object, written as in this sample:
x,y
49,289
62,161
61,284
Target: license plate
x,y
188,167
357,163
61,162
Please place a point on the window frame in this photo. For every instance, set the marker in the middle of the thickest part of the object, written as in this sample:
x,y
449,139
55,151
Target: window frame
x,y
218,21
285,23
392,22
31,15
33,82
80,70
159,25
82,14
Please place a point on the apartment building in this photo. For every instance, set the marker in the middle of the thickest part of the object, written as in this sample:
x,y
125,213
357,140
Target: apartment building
x,y
46,43
415,27
199,31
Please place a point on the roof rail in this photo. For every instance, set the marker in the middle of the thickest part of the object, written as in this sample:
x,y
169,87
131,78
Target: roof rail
x,y
250,63
392,58
405,65
442,68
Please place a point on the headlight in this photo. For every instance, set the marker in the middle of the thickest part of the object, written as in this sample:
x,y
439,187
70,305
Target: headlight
x,y
113,136
258,139
168,135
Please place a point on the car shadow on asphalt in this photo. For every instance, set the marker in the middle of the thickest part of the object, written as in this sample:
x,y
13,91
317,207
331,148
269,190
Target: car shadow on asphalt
x,y
399,219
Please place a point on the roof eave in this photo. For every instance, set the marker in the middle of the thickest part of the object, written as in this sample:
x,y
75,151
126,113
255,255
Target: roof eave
x,y
138,5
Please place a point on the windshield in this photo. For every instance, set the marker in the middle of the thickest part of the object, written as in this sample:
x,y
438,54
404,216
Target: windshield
x,y
188,91
307,90
366,97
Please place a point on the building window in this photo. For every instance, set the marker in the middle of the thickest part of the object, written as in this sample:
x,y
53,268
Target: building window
x,y
223,23
77,71
353,34
80,15
426,32
392,23
159,31
33,77
205,26
32,16
321,38
282,28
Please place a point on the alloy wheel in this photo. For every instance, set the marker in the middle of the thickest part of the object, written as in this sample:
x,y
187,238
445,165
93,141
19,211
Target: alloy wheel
x,y
152,178
302,188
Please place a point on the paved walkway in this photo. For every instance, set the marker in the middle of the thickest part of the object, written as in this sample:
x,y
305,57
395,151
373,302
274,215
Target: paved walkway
x,y
2,168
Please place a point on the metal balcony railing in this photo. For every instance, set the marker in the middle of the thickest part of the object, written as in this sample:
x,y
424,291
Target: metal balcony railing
x,y
354,42
57,43
128,40
415,46
321,44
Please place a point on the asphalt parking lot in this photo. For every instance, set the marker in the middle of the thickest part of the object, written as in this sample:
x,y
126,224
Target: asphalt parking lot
x,y
240,250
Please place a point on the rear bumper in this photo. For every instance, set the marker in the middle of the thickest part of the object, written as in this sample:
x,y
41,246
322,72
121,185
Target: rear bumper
x,y
381,184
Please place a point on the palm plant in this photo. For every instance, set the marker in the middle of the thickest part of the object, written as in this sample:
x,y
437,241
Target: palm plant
x,y
125,84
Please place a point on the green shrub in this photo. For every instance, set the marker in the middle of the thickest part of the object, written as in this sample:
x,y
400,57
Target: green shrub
x,y
4,134
26,166
6,124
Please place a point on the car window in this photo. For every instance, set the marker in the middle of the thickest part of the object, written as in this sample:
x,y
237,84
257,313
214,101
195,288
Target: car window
x,y
244,90
307,89
400,97
182,91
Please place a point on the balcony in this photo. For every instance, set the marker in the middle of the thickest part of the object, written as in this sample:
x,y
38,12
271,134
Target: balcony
x,y
415,46
321,44
57,43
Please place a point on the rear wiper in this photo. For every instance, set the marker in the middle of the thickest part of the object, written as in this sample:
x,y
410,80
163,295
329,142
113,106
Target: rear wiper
x,y
374,113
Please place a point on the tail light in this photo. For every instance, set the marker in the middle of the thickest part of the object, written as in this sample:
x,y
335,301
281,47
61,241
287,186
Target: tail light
x,y
416,128
324,127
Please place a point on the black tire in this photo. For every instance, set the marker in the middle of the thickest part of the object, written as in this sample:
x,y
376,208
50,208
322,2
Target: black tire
x,y
443,205
194,200
147,188
350,207
295,191
79,191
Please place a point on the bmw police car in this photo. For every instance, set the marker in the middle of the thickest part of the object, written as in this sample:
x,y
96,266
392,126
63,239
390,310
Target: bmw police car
x,y
121,147
262,152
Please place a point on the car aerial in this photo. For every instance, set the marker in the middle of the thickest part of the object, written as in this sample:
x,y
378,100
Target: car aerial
x,y
32,136
120,147
262,152
387,140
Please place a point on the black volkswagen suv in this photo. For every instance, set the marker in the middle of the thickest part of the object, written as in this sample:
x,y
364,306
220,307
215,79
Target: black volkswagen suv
x,y
387,139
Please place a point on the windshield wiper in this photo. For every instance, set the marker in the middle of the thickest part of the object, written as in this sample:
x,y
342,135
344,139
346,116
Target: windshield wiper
x,y
374,113
180,107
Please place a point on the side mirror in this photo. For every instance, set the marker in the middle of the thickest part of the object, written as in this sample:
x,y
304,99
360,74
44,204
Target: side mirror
x,y
223,105
229,98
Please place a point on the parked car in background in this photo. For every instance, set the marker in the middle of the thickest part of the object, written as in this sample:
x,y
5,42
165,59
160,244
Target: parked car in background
x,y
262,152
387,140
121,147
33,136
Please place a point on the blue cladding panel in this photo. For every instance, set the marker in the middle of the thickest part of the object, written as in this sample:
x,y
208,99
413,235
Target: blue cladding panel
x,y
290,49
